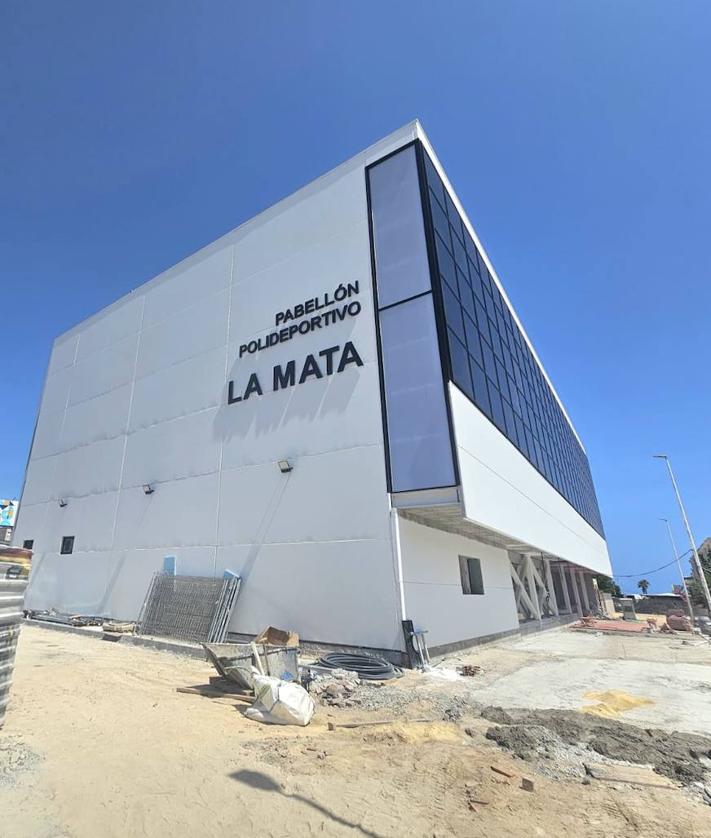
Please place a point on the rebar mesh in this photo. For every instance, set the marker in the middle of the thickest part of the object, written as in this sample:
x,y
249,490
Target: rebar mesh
x,y
185,607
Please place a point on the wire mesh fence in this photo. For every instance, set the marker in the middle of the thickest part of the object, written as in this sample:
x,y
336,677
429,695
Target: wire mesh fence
x,y
192,608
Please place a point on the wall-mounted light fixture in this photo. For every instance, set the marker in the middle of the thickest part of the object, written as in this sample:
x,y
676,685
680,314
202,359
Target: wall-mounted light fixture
x,y
285,466
62,502
148,489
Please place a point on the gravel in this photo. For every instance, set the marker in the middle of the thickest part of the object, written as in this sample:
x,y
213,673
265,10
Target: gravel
x,y
15,758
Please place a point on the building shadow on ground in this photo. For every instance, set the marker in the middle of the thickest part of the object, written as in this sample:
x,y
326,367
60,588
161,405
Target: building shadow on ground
x,y
263,782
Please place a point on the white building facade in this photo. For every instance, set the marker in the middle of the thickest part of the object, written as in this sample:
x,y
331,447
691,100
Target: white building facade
x,y
335,401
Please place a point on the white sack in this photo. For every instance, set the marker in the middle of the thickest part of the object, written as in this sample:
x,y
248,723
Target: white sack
x,y
277,702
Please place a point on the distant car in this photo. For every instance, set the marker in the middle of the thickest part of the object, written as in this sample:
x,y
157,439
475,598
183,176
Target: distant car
x,y
15,562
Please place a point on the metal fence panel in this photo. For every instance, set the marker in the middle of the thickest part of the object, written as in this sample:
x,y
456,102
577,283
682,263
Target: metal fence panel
x,y
192,608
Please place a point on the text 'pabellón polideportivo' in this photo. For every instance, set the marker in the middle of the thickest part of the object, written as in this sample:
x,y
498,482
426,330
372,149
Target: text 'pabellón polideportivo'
x,y
328,304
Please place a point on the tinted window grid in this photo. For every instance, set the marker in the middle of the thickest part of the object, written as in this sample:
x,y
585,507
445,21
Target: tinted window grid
x,y
501,377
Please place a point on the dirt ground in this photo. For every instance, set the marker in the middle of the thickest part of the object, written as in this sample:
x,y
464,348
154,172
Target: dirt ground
x,y
669,675
98,741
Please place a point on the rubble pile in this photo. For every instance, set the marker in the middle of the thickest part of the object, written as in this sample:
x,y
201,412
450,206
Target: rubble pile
x,y
338,688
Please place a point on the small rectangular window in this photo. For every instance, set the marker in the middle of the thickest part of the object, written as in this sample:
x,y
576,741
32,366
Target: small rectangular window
x,y
470,571
28,543
67,545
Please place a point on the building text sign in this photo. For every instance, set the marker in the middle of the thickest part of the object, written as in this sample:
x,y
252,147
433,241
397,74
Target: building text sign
x,y
315,313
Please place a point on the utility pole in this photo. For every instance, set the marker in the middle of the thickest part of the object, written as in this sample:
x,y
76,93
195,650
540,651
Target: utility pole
x,y
697,562
689,607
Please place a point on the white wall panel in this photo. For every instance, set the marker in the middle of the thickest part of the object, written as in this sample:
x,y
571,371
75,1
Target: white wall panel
x,y
183,388
325,497
40,480
181,290
114,327
89,519
31,524
180,513
56,390
433,591
48,434
341,592
75,584
63,353
183,447
335,412
310,272
332,206
504,492
104,371
197,329
102,417
88,469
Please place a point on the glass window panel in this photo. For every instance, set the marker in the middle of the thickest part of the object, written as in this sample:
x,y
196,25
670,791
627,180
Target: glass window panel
x,y
513,390
501,323
495,342
481,389
453,213
508,362
475,281
445,263
473,344
470,574
521,433
402,267
459,254
499,357
497,410
460,364
484,272
472,252
529,441
510,422
489,361
465,295
503,380
434,180
439,220
490,307
453,312
418,428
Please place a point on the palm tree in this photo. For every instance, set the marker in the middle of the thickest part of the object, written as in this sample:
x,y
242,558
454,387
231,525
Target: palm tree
x,y
644,585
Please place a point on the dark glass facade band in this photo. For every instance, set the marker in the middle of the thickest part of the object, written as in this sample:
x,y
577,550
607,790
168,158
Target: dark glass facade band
x,y
492,364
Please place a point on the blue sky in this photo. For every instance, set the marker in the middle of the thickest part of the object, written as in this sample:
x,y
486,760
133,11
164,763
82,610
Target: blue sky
x,y
575,133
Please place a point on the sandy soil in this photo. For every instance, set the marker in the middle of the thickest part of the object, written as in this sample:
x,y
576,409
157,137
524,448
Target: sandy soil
x,y
98,742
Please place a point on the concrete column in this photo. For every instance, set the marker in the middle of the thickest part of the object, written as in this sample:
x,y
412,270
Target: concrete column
x,y
551,588
532,590
584,587
576,592
564,586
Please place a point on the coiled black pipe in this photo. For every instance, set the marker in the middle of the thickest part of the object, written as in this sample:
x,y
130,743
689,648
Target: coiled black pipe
x,y
368,667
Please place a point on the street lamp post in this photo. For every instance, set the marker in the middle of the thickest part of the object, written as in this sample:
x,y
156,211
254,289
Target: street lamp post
x,y
689,607
697,561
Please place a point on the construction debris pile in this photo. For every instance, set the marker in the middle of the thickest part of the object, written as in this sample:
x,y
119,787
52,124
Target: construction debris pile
x,y
337,688
564,742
